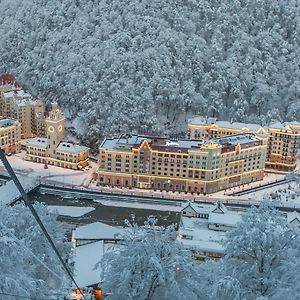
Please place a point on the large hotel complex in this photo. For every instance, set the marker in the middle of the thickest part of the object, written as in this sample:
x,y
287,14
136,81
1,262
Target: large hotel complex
x,y
182,165
216,155
25,117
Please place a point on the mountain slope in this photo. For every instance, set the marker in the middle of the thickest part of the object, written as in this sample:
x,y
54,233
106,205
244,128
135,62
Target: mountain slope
x,y
138,65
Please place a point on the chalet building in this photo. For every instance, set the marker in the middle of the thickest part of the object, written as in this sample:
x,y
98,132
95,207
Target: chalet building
x,y
95,232
283,138
203,228
10,135
182,165
52,149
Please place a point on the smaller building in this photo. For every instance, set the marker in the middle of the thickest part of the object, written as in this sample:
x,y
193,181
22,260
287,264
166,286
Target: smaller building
x,y
284,144
203,228
10,135
283,138
96,232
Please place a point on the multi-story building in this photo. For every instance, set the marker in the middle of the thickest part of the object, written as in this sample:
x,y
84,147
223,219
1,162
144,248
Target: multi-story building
x,y
283,138
204,128
182,165
10,135
52,149
284,143
18,104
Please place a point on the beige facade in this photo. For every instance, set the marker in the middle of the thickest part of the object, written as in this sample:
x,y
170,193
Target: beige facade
x,y
205,128
52,149
183,165
284,144
28,110
283,138
10,135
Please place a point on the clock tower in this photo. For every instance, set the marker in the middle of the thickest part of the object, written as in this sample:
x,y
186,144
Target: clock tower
x,y
55,128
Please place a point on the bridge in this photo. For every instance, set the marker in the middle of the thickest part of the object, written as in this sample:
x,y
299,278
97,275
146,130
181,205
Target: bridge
x,y
9,192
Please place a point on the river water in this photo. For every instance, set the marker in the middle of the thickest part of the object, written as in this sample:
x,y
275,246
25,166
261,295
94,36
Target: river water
x,y
103,213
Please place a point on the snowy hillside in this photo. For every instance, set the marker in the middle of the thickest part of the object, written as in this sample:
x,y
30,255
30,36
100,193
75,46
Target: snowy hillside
x,y
138,65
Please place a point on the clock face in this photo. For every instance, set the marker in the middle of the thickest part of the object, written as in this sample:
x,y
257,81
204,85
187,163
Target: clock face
x,y
51,129
60,128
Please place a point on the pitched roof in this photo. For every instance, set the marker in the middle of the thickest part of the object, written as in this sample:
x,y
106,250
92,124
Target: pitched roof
x,y
98,231
71,148
8,79
292,216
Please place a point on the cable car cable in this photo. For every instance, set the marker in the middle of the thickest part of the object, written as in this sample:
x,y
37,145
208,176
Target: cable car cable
x,y
34,213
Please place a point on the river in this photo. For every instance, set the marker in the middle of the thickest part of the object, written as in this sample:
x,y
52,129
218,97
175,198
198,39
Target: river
x,y
103,213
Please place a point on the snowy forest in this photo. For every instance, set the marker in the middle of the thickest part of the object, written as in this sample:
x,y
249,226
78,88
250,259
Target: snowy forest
x,y
261,262
147,66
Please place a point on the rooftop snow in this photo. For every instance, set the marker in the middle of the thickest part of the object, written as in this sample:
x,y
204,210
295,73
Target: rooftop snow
x,y
201,237
85,259
244,138
6,122
229,219
98,231
71,148
37,142
125,143
17,93
200,120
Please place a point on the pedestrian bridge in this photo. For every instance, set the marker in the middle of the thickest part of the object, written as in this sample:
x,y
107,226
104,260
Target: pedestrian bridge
x,y
9,192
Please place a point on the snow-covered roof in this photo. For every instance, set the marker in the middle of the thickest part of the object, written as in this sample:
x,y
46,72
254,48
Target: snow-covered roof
x,y
203,238
98,231
238,125
8,79
243,138
26,101
227,219
85,259
37,142
219,207
198,208
6,122
200,120
71,148
127,142
17,93
283,126
292,216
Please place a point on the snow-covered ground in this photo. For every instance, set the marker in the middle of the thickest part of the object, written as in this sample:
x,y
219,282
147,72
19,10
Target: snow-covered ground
x,y
71,211
53,174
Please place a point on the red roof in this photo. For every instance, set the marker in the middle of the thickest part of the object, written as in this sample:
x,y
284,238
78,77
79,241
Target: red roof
x,y
8,79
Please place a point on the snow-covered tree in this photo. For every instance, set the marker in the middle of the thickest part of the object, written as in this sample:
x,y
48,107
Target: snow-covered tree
x,y
29,266
150,265
258,252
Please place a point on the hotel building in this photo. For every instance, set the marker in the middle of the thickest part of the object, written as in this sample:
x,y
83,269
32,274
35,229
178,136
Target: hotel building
x,y
10,135
20,105
52,149
182,165
284,144
283,138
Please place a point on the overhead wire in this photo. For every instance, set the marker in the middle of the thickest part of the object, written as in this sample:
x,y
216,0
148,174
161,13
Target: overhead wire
x,y
22,297
35,215
28,250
